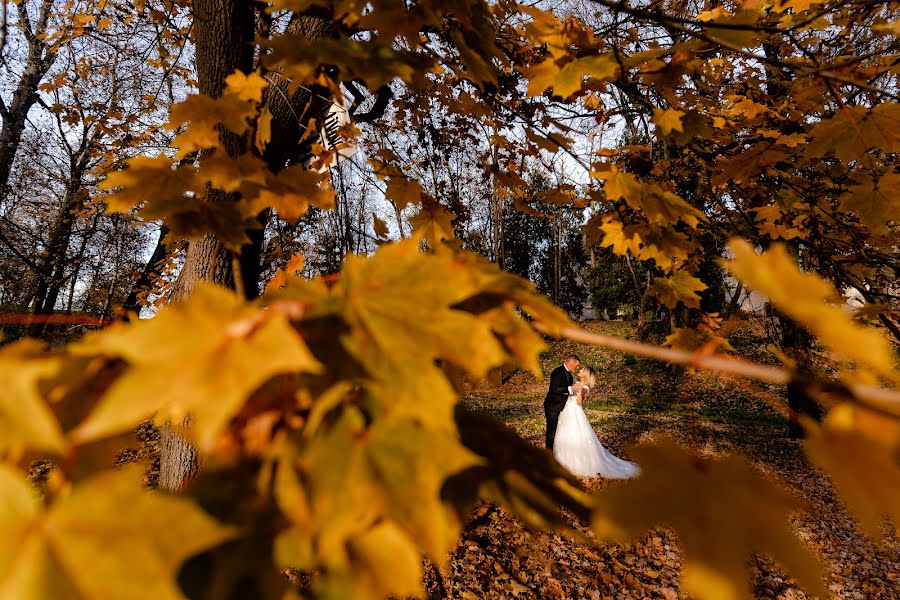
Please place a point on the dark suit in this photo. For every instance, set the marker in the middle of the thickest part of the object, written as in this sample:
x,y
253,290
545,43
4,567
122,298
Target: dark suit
x,y
560,380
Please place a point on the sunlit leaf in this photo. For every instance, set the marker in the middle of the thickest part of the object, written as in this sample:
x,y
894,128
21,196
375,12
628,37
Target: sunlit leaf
x,y
680,286
131,184
233,348
246,86
812,302
858,449
566,79
25,418
668,120
74,548
203,116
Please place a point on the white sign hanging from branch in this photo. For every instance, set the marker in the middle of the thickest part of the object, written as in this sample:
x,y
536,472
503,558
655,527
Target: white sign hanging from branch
x,y
336,117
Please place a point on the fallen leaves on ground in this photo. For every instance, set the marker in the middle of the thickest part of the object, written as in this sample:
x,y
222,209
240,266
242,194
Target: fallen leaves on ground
x,y
640,401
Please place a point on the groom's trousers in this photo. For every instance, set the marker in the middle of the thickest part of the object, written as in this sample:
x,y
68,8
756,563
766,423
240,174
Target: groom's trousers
x,y
552,415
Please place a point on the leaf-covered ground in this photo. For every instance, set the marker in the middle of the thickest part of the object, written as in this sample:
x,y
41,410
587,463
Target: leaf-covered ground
x,y
637,400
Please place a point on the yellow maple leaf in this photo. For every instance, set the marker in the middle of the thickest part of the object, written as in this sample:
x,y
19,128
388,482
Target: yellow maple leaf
x,y
812,302
290,192
106,538
793,140
566,79
876,202
263,130
664,245
233,348
721,123
797,6
433,222
247,87
546,28
746,108
778,223
659,205
722,511
680,286
621,241
25,419
851,437
855,129
204,115
401,296
668,120
294,264
350,475
231,174
147,180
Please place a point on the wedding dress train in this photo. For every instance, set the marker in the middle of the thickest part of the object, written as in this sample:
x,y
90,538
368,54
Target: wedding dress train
x,y
577,448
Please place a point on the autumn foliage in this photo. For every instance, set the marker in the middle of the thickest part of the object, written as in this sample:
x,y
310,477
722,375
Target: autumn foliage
x,y
325,412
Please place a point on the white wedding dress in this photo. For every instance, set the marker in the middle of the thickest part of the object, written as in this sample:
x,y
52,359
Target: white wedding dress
x,y
577,448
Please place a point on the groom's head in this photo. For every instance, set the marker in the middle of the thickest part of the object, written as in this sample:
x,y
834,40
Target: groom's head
x,y
572,362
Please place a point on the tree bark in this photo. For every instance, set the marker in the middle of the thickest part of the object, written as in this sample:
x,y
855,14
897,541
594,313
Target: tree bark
x,y
224,36
153,267
39,60
796,342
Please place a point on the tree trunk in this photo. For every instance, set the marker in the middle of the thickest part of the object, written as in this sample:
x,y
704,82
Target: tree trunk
x,y
40,59
51,268
224,36
153,268
735,305
223,33
796,342
177,457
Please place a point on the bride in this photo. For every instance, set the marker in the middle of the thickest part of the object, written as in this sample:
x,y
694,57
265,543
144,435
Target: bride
x,y
576,446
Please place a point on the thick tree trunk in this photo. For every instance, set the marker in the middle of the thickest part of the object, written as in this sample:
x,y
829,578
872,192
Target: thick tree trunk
x,y
224,32
178,458
207,260
37,63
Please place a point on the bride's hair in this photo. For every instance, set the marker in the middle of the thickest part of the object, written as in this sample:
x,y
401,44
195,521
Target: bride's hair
x,y
590,376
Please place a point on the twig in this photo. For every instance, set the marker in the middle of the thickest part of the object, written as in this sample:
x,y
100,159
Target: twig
x,y
681,25
237,275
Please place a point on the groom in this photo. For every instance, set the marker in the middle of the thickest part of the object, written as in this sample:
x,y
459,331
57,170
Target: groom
x,y
562,385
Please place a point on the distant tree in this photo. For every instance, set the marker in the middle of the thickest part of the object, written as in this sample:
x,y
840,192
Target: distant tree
x,y
616,282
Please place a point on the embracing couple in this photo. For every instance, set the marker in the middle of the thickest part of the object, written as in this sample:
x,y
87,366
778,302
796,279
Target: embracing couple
x,y
569,433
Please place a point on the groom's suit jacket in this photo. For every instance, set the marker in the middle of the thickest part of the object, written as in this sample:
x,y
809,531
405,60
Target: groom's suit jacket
x,y
560,380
